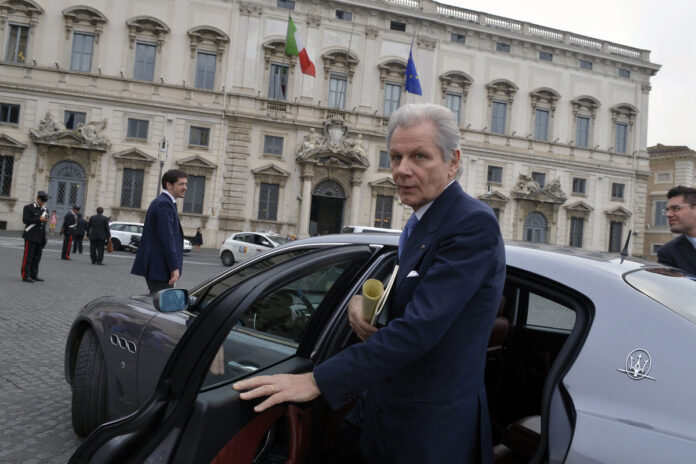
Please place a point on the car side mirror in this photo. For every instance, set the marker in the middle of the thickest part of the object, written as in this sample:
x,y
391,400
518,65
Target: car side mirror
x,y
171,300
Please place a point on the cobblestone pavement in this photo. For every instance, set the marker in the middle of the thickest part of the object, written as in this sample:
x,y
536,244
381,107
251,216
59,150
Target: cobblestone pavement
x,y
35,318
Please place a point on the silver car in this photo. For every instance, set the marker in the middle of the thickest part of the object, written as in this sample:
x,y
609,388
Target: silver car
x,y
570,374
245,245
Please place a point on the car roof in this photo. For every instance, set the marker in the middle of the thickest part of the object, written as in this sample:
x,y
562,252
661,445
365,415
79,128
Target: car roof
x,y
126,223
561,263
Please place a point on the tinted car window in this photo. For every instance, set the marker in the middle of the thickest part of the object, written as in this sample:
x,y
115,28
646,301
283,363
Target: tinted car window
x,y
220,286
543,312
116,226
271,328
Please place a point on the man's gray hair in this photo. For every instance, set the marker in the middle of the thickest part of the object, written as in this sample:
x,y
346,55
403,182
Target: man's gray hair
x,y
448,135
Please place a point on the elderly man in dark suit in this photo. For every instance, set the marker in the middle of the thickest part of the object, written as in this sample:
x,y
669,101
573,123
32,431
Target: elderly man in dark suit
x,y
34,216
160,255
680,252
99,233
420,377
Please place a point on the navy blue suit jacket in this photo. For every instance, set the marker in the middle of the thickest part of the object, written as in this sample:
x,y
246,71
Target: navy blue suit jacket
x,y
161,248
423,373
679,253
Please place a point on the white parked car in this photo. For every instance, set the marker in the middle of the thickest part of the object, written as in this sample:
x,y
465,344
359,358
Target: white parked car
x,y
121,233
244,245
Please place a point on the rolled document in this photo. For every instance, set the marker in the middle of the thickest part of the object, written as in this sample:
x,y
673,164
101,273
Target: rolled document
x,y
372,291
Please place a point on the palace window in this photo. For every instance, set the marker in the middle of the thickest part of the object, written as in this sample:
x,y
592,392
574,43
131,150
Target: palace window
x,y
384,161
579,185
6,167
495,175
576,229
392,97
72,118
17,42
195,193
582,136
273,145
615,231
383,211
660,219
278,86
621,132
337,91
540,177
82,48
132,188
199,136
458,38
545,56
9,113
205,70
453,102
145,56
541,124
137,128
344,15
617,191
268,201
498,117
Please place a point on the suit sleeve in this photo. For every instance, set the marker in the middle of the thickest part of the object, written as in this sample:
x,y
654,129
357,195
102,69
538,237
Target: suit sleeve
x,y
166,234
29,216
466,255
665,257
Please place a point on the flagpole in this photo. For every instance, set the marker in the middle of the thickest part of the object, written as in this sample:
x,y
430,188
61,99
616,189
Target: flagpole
x,y
350,41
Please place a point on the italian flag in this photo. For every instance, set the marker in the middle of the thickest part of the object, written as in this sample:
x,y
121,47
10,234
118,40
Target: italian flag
x,y
295,46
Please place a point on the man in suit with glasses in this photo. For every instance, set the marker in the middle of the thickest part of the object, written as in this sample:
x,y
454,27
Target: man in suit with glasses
x,y
680,252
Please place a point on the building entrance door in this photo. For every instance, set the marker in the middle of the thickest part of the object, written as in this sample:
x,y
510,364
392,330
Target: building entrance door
x,y
66,187
328,202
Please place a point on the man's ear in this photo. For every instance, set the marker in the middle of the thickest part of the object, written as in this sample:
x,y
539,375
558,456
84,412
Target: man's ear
x,y
454,162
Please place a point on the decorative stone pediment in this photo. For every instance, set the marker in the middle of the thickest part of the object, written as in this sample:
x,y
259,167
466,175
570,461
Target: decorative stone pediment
x,y
334,147
340,60
383,186
82,15
148,25
270,170
274,49
196,162
493,196
501,89
585,104
620,213
580,207
624,112
53,132
391,70
208,37
456,81
134,154
8,142
544,97
529,189
22,8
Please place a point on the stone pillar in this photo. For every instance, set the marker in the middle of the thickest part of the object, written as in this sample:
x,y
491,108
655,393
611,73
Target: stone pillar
x,y
235,191
355,197
307,174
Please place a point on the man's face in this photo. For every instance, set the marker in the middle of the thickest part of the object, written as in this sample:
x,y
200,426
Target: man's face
x,y
684,220
40,201
417,166
178,188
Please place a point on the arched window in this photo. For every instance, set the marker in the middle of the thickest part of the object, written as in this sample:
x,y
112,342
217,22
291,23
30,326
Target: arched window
x,y
535,226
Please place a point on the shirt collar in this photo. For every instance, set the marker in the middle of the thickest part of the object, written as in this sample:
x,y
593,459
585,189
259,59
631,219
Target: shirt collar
x,y
419,214
691,239
170,196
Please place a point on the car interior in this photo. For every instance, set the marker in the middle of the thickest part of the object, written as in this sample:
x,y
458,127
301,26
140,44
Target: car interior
x,y
532,325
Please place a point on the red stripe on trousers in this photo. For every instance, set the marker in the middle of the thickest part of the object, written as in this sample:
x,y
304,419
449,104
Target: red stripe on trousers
x,y
24,261
67,253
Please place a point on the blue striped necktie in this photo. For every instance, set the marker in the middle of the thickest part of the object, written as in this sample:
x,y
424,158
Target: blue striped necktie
x,y
410,224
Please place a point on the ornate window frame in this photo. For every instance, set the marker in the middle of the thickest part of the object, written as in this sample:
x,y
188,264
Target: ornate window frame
x,y
149,30
268,174
455,82
390,70
21,13
211,40
342,62
543,98
503,91
198,166
274,53
623,113
586,106
82,19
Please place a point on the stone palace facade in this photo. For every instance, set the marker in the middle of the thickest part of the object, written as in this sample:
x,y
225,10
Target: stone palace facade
x,y
97,99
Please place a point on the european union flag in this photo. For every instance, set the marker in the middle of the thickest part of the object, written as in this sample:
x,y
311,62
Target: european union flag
x,y
412,83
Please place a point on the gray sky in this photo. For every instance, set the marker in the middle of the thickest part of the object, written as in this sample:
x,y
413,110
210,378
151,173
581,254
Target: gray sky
x,y
667,28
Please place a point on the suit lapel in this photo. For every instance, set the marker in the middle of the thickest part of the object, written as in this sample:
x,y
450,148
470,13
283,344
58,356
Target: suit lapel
x,y
424,233
688,254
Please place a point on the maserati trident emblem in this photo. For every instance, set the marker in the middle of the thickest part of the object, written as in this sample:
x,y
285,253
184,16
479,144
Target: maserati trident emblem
x,y
638,365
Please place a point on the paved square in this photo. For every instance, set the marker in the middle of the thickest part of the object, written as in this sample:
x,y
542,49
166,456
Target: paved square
x,y
34,322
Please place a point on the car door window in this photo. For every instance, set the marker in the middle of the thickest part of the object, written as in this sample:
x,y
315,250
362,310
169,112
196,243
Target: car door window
x,y
543,312
116,227
270,329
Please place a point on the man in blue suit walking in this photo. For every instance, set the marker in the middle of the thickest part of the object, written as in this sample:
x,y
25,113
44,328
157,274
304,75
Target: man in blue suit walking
x,y
161,250
421,376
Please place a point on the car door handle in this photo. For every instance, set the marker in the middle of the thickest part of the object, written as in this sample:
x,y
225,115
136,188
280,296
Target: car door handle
x,y
242,366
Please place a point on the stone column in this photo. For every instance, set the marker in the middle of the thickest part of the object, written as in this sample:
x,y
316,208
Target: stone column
x,y
307,175
355,197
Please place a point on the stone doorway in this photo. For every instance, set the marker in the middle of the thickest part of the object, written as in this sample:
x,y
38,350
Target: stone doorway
x,y
328,202
66,187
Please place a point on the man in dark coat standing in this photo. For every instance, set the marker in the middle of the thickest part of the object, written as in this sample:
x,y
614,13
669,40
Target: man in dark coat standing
x,y
80,229
420,377
98,232
34,217
160,256
680,252
68,231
